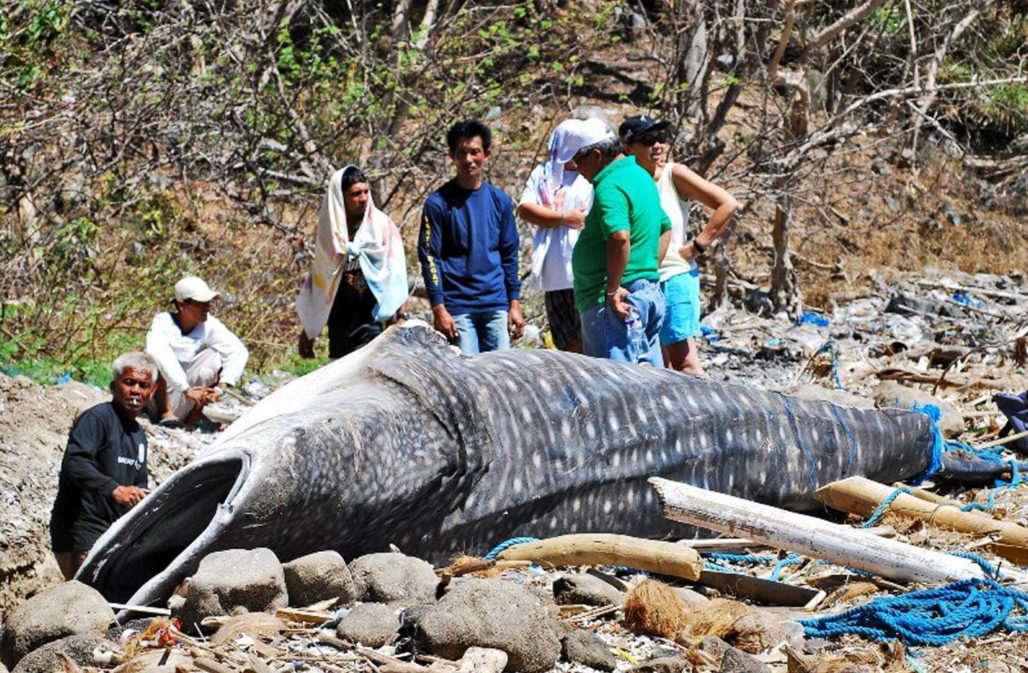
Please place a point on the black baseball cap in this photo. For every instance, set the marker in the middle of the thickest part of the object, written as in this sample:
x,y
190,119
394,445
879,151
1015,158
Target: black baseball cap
x,y
637,125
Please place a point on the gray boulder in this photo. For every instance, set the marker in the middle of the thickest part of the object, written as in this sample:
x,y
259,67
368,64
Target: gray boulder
x,y
48,659
583,647
664,665
371,624
737,661
317,577
494,614
585,588
66,609
234,581
393,578
893,394
813,391
715,647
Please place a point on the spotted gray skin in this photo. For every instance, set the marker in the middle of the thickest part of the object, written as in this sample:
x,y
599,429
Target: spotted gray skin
x,y
408,442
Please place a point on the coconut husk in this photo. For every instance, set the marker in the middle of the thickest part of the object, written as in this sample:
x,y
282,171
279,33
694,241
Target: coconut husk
x,y
653,608
737,624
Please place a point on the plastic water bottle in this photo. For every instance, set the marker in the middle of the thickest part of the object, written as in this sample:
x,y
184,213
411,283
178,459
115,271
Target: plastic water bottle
x,y
636,334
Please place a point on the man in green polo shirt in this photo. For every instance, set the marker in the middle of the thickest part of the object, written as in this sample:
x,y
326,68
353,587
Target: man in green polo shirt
x,y
617,289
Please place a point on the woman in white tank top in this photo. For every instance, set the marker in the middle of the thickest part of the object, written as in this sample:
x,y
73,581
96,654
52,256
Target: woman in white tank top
x,y
645,139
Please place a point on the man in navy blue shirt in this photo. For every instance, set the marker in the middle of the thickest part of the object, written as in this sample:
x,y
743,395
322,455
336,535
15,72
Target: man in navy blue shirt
x,y
468,247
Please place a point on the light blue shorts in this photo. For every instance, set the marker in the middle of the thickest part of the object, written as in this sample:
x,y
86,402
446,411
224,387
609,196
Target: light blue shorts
x,y
682,312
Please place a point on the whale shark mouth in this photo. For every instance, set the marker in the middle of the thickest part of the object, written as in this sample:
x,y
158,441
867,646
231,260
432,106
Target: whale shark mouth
x,y
163,538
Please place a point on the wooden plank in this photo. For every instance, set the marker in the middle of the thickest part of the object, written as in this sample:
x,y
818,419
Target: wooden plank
x,y
663,558
812,537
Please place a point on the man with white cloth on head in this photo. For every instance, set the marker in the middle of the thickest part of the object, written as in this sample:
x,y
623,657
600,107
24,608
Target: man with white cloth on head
x,y
198,357
359,279
556,200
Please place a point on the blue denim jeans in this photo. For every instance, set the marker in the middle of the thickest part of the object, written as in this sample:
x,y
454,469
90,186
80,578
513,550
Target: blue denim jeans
x,y
482,332
605,335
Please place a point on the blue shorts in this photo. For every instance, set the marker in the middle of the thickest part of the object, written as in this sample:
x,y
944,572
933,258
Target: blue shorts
x,y
682,312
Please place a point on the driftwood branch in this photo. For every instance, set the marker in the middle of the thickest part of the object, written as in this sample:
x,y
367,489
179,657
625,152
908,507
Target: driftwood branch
x,y
665,558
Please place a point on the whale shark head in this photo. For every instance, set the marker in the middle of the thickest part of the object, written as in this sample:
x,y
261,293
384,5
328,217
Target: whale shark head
x,y
312,466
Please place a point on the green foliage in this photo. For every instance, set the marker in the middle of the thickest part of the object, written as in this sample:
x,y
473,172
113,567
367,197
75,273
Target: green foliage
x,y
27,44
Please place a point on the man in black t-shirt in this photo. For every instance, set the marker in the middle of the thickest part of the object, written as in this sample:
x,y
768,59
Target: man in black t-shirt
x,y
103,473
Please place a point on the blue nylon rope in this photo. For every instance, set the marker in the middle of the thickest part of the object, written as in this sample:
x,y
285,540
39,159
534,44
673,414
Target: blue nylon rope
x,y
508,543
853,439
965,609
883,507
799,440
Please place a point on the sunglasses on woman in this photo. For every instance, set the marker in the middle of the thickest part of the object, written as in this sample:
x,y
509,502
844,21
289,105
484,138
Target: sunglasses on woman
x,y
649,140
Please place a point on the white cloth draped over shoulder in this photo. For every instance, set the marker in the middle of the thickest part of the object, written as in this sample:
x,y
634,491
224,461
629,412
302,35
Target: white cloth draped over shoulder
x,y
376,245
551,187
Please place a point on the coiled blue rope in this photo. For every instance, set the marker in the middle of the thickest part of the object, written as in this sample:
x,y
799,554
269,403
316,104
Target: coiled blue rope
x,y
508,543
966,609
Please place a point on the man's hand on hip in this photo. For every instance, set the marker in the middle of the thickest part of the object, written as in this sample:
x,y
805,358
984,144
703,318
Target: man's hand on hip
x,y
618,302
444,322
128,496
515,321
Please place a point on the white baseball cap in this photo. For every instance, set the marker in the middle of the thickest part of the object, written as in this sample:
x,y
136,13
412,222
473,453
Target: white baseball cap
x,y
192,287
589,132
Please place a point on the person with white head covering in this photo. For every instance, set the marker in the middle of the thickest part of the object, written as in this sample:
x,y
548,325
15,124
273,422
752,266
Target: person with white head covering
x,y
556,200
198,357
358,282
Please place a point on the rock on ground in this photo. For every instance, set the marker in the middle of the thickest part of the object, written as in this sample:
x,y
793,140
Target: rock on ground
x,y
317,577
233,581
583,647
585,588
482,660
737,661
495,614
664,665
812,391
893,394
34,424
390,578
370,624
48,659
67,609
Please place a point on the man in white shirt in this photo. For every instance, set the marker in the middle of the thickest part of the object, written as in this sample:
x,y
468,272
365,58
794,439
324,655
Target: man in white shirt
x,y
197,355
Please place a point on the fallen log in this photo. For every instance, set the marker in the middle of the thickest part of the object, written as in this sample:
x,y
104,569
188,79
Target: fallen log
x,y
857,495
663,558
811,536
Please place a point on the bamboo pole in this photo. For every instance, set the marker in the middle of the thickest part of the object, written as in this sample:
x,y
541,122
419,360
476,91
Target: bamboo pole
x,y
813,537
858,495
664,558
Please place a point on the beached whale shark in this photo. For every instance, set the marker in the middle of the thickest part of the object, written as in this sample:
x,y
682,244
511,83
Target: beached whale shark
x,y
408,442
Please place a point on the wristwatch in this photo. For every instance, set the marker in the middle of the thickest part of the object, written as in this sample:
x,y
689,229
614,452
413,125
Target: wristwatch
x,y
403,315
